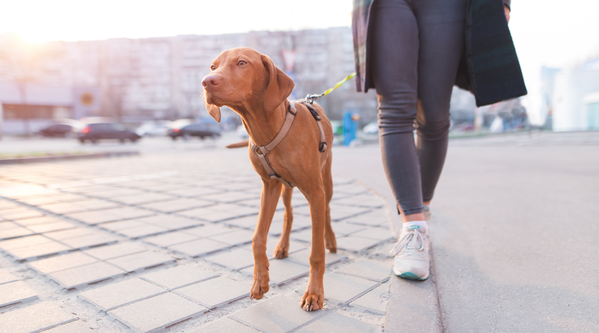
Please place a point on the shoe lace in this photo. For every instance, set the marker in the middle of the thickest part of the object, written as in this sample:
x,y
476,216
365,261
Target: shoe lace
x,y
413,234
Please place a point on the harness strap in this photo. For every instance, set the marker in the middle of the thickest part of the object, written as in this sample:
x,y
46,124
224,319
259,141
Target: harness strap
x,y
323,143
261,151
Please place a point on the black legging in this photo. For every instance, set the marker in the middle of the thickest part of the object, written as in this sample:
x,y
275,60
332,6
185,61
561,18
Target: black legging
x,y
414,53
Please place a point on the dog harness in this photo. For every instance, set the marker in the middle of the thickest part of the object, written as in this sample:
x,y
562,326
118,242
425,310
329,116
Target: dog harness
x,y
262,151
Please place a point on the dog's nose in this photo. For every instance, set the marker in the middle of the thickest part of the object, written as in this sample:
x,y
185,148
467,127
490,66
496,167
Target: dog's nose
x,y
212,80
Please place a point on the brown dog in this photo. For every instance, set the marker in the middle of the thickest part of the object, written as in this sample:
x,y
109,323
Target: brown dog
x,y
249,83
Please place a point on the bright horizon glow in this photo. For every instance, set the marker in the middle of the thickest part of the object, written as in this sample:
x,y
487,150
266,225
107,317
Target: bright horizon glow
x,y
546,32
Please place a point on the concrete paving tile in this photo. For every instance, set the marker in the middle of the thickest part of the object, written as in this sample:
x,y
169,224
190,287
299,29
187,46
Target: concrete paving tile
x,y
142,231
216,292
179,276
336,323
38,251
225,325
199,247
170,222
140,261
368,269
78,326
339,212
304,235
369,201
46,199
374,301
79,206
176,205
350,189
377,217
281,271
84,275
302,257
340,288
171,238
64,261
19,213
117,250
143,198
246,222
122,225
49,227
276,315
195,192
383,251
209,215
237,237
113,193
24,242
121,293
156,313
381,234
98,238
6,277
344,229
235,259
208,231
356,244
16,231
230,197
46,314
15,292
71,233
39,220
110,215
8,225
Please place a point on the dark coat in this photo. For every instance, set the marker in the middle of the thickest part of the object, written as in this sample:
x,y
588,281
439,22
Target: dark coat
x,y
489,67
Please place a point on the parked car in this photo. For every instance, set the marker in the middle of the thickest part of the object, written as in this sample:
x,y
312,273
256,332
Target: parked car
x,y
153,129
200,130
100,131
59,131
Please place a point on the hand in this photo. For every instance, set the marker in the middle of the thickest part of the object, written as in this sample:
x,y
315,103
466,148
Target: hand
x,y
507,13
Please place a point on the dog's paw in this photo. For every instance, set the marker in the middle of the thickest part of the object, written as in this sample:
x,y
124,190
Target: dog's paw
x,y
331,243
281,251
260,283
312,302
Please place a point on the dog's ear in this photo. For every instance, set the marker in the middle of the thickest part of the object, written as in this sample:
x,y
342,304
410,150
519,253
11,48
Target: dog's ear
x,y
279,85
214,111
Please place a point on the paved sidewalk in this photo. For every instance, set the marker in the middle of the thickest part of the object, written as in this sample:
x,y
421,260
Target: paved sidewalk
x,y
163,242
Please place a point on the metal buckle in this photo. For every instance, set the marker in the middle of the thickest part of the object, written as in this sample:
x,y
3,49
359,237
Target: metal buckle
x,y
311,98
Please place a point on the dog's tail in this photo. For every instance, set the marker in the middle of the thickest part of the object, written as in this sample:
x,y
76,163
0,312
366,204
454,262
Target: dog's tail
x,y
241,144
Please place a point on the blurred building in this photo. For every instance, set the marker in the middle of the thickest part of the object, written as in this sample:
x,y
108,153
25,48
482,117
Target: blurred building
x,y
134,80
572,95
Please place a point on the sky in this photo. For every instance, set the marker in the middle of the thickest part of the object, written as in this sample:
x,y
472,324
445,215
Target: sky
x,y
546,32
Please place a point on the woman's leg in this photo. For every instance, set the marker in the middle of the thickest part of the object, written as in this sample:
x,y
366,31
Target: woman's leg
x,y
393,57
441,27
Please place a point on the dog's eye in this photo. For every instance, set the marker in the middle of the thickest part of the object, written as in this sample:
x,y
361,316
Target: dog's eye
x,y
241,63
212,67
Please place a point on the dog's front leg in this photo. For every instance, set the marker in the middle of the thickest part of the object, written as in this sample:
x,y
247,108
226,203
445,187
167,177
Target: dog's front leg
x,y
271,189
313,298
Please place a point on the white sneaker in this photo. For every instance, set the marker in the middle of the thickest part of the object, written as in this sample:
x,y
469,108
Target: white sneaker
x,y
411,254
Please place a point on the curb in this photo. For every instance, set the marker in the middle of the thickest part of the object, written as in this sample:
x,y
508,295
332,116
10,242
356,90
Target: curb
x,y
66,157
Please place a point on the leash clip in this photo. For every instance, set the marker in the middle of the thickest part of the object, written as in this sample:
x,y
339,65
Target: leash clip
x,y
311,98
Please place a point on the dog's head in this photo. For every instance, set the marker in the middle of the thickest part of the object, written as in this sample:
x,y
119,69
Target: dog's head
x,y
245,77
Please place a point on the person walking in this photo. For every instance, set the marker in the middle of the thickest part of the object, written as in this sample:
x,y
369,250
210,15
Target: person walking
x,y
413,52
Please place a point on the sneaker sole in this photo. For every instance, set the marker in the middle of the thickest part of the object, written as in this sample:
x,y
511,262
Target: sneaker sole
x,y
411,276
